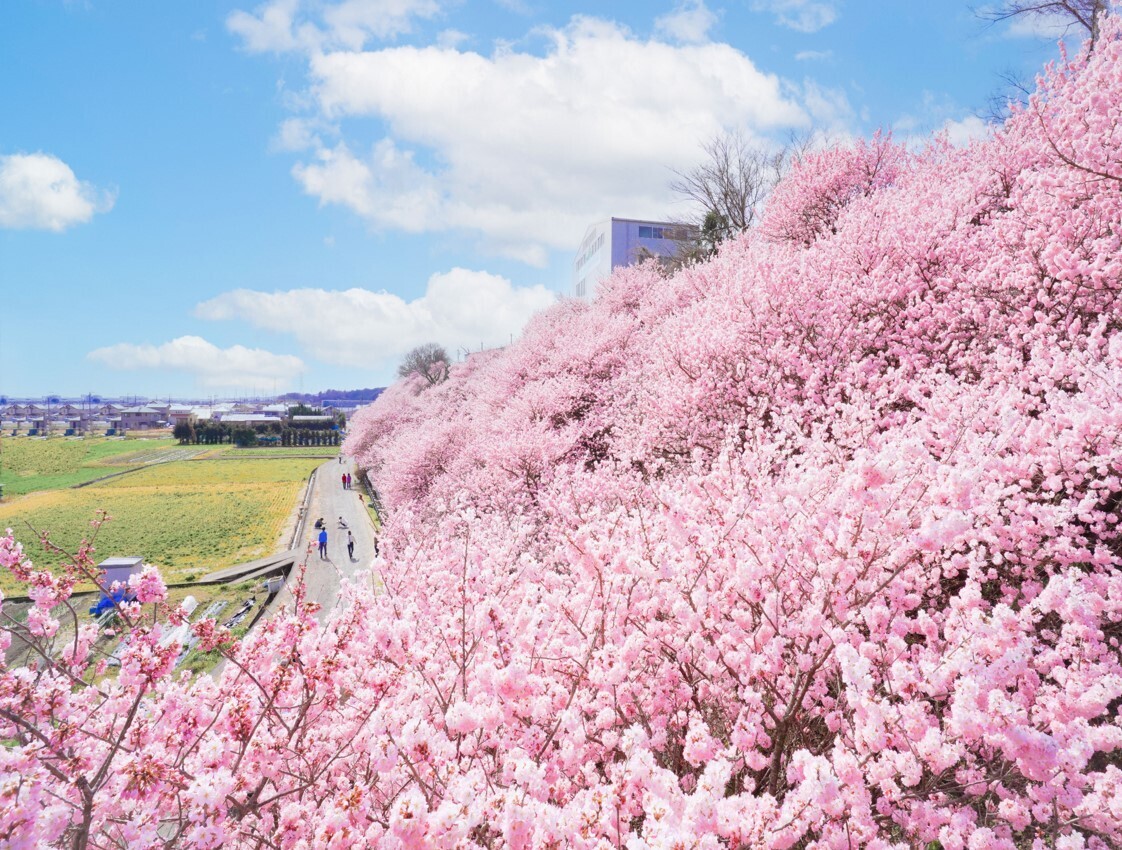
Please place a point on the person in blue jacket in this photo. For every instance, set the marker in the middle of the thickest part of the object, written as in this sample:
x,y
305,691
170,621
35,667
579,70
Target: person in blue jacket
x,y
323,543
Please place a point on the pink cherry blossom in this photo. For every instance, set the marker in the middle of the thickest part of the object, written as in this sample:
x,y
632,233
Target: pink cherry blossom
x,y
813,545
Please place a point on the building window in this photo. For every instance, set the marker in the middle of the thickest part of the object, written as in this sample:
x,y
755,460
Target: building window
x,y
590,253
645,231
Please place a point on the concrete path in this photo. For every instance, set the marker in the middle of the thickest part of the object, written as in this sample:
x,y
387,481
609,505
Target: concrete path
x,y
324,578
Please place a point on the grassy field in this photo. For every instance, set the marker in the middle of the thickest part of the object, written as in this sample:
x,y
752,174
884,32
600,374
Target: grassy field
x,y
277,451
186,517
28,464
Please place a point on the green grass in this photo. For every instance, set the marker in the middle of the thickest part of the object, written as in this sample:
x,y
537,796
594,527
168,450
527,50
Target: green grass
x,y
28,465
35,483
118,451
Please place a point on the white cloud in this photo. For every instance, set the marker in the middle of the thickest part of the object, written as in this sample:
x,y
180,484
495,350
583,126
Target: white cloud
x,y
386,188
279,26
211,366
801,15
352,22
830,109
298,134
961,132
936,115
814,55
524,149
268,28
358,327
688,23
40,192
451,38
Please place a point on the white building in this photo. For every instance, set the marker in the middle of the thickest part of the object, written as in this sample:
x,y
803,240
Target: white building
x,y
616,242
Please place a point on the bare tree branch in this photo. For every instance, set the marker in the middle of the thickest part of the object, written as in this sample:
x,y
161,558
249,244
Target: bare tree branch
x,y
730,186
733,180
429,361
1082,13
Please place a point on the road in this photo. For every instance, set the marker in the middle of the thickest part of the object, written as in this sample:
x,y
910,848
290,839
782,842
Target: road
x,y
324,578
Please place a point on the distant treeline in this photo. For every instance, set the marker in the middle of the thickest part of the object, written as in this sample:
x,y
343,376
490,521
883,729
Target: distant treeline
x,y
273,434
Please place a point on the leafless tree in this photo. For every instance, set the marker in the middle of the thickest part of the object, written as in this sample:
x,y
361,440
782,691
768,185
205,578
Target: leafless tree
x,y
429,361
730,187
1080,13
732,181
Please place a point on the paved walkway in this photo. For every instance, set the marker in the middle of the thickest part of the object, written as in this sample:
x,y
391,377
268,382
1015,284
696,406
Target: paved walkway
x,y
324,578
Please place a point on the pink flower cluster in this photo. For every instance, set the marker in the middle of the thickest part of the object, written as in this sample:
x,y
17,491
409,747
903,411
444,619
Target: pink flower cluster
x,y
814,545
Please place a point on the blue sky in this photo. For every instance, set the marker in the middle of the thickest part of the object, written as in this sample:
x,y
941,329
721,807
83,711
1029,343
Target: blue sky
x,y
206,198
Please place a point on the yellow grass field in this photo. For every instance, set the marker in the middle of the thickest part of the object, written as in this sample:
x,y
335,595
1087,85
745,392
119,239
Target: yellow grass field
x,y
188,518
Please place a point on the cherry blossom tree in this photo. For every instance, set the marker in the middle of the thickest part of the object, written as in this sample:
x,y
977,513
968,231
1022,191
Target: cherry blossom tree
x,y
815,544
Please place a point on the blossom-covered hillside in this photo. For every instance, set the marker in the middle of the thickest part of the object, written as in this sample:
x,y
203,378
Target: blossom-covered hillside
x,y
815,545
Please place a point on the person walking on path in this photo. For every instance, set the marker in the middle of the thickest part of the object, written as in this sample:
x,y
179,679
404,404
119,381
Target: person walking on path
x,y
323,543
350,545
329,500
343,478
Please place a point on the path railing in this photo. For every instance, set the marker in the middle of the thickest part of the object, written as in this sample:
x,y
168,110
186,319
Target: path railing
x,y
302,518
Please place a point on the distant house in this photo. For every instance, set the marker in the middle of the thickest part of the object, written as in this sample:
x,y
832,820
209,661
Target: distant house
x,y
178,414
141,418
616,242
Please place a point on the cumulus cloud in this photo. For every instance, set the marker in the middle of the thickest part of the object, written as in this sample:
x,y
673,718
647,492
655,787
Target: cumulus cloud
x,y
962,131
451,38
688,23
386,187
833,116
359,327
525,149
801,15
939,114
280,26
212,367
40,192
301,134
